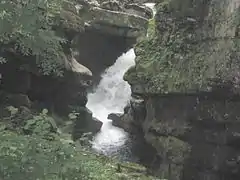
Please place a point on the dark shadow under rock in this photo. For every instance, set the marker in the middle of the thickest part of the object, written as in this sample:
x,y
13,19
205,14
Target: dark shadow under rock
x,y
16,100
98,51
85,123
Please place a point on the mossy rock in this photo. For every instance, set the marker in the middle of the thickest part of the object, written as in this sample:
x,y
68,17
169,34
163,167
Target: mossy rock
x,y
186,54
70,19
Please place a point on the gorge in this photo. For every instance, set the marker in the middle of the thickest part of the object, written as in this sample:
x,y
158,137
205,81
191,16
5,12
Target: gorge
x,y
82,78
111,96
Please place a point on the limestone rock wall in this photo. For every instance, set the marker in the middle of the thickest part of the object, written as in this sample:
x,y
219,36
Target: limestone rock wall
x,y
187,73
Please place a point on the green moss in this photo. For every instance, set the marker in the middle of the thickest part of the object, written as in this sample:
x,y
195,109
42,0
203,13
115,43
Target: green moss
x,y
71,22
185,55
151,28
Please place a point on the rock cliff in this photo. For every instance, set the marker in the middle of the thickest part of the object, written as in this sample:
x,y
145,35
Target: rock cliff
x,y
187,73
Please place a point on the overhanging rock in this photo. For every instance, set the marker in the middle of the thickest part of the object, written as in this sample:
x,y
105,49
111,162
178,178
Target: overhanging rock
x,y
117,23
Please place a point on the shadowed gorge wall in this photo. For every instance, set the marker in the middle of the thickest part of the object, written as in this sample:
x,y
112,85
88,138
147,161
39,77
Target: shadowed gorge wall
x,y
187,73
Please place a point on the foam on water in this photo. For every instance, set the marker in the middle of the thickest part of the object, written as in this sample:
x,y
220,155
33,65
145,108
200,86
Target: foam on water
x,y
111,96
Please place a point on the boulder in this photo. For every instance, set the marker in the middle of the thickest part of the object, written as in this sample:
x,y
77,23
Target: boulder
x,y
134,115
94,125
116,119
85,123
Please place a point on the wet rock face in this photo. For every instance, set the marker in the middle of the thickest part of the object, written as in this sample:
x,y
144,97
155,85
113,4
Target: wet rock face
x,y
85,123
116,119
134,115
197,137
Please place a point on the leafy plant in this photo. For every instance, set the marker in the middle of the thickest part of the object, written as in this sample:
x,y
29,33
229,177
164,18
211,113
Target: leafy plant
x,y
26,29
31,157
41,125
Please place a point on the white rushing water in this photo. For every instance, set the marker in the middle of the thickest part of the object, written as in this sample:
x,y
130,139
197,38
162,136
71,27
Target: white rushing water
x,y
111,96
152,6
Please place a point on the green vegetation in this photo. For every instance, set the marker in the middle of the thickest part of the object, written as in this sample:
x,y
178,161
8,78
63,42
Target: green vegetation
x,y
30,157
27,30
36,150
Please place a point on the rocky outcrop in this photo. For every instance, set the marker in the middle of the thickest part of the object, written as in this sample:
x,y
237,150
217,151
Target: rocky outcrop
x,y
187,73
134,115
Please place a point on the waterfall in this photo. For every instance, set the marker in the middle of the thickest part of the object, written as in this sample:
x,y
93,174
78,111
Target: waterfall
x,y
152,6
111,96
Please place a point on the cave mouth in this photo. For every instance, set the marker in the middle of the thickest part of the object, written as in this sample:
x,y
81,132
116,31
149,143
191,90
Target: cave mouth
x,y
98,51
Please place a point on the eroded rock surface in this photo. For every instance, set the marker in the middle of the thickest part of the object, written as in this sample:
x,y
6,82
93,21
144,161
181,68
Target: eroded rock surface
x,y
187,73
